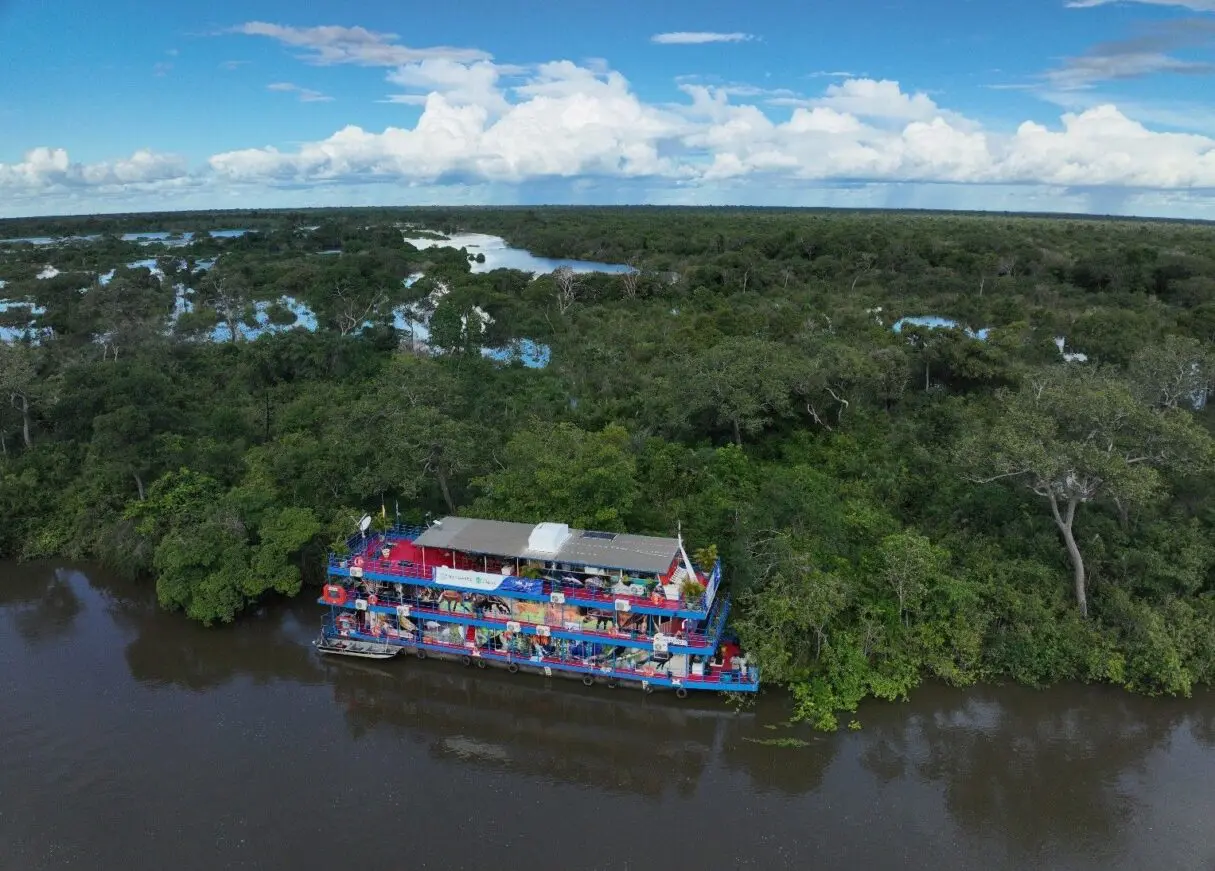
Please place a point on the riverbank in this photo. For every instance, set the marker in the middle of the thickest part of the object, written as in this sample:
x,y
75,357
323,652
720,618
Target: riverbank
x,y
880,513
202,749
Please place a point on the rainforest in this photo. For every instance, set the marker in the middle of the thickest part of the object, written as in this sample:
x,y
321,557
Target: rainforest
x,y
951,447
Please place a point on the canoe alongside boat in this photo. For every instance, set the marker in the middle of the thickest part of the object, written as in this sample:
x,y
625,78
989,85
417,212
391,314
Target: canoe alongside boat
x,y
339,646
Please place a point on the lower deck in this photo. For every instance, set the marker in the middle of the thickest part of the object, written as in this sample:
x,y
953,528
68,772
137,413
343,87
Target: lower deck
x,y
592,663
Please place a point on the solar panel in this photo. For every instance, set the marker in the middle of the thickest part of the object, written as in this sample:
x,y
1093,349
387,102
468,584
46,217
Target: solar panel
x,y
604,536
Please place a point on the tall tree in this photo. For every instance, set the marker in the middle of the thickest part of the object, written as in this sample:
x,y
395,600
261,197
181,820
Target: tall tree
x,y
565,474
1074,435
19,382
1177,372
743,383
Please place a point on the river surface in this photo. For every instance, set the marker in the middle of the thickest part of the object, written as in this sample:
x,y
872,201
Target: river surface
x,y
134,740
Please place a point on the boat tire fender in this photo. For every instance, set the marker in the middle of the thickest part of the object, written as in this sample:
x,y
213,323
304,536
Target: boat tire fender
x,y
681,693
420,653
481,663
611,683
513,668
466,661
587,680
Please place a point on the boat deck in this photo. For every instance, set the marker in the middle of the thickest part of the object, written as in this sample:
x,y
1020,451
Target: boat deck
x,y
408,563
681,641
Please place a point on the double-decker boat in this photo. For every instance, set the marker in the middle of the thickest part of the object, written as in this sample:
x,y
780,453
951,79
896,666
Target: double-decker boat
x,y
603,607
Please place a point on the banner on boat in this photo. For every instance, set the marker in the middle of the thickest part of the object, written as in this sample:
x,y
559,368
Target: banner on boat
x,y
484,582
462,579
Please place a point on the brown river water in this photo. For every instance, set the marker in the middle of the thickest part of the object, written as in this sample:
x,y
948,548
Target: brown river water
x,y
135,740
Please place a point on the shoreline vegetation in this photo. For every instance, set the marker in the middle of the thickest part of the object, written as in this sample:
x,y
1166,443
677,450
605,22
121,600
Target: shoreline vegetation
x,y
1015,483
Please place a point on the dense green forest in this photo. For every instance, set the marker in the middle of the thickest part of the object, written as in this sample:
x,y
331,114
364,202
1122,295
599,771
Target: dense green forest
x,y
966,503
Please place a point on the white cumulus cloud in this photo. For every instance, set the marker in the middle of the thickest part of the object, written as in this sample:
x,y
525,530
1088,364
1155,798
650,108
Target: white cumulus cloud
x,y
474,83
484,130
49,168
568,121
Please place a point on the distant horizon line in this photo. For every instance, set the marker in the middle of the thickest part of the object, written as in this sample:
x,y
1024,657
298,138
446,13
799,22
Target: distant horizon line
x,y
514,207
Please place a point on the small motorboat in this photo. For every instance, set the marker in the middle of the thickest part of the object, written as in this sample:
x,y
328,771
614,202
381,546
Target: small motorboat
x,y
352,647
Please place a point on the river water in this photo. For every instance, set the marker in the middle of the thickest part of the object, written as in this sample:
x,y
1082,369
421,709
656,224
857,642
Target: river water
x,y
134,740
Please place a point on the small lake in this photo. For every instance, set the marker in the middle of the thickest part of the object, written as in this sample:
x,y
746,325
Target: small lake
x,y
134,739
935,322
146,238
499,255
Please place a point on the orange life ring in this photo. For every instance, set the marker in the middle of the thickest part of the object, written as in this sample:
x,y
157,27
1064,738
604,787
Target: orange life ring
x,y
358,562
334,594
371,600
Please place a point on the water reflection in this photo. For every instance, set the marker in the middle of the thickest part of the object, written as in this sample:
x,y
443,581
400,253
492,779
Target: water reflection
x,y
1041,771
130,703
259,650
789,770
40,601
266,645
612,741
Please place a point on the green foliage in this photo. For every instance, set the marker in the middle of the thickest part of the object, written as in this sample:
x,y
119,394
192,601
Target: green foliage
x,y
217,551
586,478
888,507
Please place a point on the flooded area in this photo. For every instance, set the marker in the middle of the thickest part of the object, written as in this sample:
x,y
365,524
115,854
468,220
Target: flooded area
x,y
137,740
499,255
293,314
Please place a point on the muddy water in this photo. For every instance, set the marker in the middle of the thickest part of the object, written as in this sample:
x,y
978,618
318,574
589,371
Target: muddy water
x,y
134,740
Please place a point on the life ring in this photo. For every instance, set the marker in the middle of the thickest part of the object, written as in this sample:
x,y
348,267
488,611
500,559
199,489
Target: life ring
x,y
334,594
358,562
466,661
681,693
588,681
420,653
371,600
513,667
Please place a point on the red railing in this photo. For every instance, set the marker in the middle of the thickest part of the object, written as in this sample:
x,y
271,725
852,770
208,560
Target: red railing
x,y
682,639
407,570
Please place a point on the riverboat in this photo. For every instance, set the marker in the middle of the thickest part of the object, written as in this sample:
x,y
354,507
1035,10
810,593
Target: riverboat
x,y
605,608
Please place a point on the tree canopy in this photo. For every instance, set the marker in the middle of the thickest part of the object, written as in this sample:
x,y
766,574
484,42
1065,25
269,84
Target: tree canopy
x,y
925,445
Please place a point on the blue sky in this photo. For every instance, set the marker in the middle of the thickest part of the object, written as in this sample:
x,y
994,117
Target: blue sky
x,y
1041,105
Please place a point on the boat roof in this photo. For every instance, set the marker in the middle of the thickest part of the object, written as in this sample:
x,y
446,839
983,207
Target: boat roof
x,y
605,550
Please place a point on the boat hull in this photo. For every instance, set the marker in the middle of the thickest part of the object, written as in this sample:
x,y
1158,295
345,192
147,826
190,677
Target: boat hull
x,y
358,649
589,675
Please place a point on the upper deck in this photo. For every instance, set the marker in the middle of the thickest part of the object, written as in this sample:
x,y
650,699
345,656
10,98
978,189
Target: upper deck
x,y
641,573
